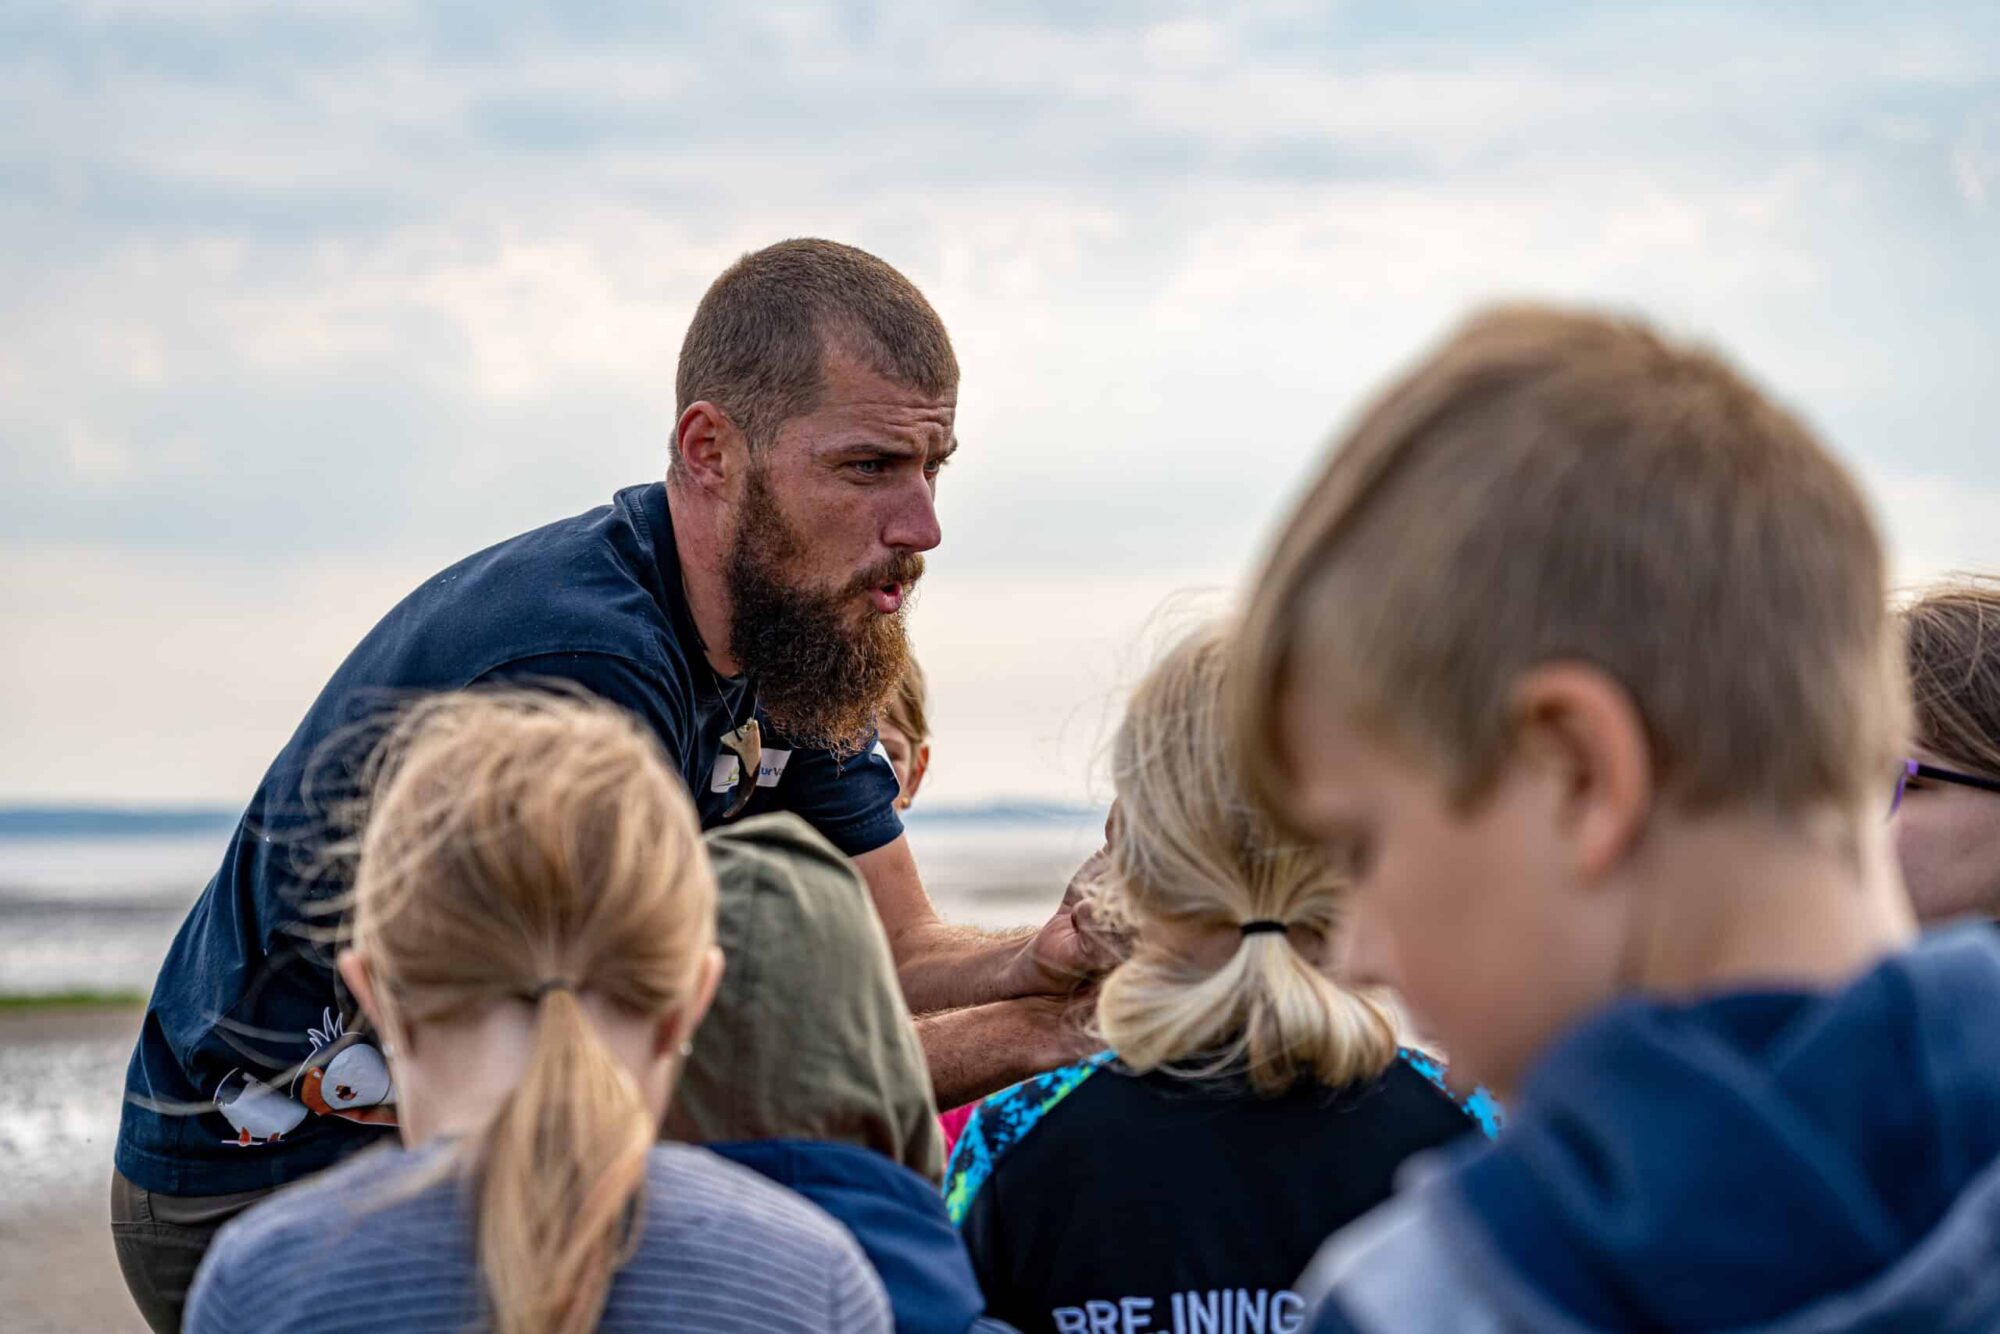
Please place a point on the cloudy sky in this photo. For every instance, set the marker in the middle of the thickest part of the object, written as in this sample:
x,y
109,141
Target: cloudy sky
x,y
304,301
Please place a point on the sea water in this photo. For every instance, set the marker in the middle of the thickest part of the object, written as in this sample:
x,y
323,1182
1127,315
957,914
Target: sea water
x,y
97,913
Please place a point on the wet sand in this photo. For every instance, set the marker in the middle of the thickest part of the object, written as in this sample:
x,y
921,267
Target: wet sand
x,y
61,1073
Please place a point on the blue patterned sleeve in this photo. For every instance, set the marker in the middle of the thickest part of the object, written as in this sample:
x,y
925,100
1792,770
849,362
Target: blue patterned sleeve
x,y
1479,1104
1000,1122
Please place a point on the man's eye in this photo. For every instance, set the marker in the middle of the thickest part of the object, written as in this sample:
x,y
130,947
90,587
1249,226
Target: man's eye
x,y
869,467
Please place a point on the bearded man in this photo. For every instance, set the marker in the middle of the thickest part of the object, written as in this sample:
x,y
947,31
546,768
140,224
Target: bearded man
x,y
749,609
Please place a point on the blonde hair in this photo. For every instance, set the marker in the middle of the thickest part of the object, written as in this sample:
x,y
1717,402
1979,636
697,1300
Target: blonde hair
x,y
1555,485
1951,637
523,847
1189,851
904,709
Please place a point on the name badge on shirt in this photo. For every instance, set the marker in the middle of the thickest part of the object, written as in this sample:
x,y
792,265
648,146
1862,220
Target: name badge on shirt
x,y
728,768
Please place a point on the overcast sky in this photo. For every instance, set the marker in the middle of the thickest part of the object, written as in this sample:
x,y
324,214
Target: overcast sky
x,y
304,301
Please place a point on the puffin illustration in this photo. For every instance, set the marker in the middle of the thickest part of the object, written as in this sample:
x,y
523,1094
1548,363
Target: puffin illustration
x,y
259,1113
345,1076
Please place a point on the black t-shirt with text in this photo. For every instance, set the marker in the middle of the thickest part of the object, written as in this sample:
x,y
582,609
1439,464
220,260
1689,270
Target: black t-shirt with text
x,y
1096,1201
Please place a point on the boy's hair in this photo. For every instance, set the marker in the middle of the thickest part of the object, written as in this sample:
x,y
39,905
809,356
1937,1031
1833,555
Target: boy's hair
x,y
1559,485
1190,850
1951,637
757,341
904,709
526,847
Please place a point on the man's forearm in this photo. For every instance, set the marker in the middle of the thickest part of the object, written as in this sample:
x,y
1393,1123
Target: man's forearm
x,y
945,967
976,1051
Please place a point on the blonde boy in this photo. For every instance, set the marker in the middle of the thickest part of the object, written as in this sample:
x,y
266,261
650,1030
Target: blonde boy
x,y
1578,647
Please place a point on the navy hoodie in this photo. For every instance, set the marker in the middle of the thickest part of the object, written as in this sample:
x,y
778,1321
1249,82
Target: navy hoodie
x,y
898,1217
1778,1162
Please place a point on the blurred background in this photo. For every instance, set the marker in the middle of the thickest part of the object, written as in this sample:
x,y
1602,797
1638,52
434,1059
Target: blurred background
x,y
304,301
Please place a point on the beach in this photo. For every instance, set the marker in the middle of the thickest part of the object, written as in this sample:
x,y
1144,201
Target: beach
x,y
95,916
61,1073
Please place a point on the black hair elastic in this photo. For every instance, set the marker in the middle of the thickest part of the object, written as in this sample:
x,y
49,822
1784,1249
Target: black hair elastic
x,y
551,984
1264,926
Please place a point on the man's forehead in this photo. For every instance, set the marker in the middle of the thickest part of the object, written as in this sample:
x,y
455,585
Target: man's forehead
x,y
848,378
903,416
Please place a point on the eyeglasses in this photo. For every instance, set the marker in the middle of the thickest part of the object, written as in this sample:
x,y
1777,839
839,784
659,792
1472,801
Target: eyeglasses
x,y
1931,773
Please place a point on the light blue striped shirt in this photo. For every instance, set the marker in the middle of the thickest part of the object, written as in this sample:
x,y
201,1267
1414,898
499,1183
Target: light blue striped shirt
x,y
720,1249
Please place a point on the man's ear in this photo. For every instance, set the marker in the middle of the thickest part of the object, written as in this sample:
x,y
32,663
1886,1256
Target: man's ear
x,y
709,447
1583,726
679,1024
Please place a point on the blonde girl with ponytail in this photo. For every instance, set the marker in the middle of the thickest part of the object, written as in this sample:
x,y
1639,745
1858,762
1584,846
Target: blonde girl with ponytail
x,y
533,935
1247,1104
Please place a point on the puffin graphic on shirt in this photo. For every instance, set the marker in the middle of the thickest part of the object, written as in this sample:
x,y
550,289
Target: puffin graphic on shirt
x,y
344,1075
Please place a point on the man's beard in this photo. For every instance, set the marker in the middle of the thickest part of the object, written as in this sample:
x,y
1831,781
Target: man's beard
x,y
820,678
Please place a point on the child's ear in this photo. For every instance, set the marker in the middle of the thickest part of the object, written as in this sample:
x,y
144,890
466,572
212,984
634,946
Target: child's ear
x,y
920,763
1578,721
680,1023
360,980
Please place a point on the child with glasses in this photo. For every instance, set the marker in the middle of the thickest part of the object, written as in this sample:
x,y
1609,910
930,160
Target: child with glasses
x,y
1947,805
1578,649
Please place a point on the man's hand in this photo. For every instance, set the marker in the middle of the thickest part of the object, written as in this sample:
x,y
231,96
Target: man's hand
x,y
946,967
1072,947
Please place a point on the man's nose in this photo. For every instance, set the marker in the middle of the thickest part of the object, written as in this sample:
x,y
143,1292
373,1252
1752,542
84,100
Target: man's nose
x,y
913,524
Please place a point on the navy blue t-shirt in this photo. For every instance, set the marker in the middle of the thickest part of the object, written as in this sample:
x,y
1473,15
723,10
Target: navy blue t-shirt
x,y
247,991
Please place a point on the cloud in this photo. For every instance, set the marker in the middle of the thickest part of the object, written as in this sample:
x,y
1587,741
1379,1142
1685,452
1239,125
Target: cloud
x,y
302,289
1938,523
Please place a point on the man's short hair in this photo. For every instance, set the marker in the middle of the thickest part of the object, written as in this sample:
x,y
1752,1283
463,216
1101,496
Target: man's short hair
x,y
756,345
1554,485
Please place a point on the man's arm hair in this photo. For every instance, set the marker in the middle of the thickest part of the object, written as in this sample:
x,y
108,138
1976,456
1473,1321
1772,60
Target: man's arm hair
x,y
984,1048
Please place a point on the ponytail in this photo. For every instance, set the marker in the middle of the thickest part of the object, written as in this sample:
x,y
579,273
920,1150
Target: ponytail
x,y
1193,855
1268,1013
559,1171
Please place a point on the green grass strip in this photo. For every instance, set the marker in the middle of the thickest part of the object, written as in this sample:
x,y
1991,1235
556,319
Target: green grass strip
x,y
11,1003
